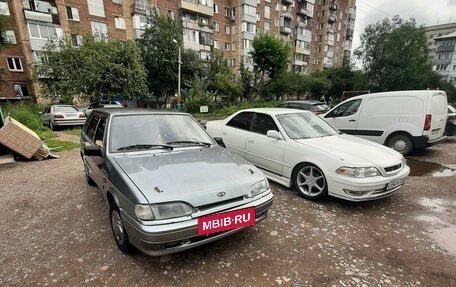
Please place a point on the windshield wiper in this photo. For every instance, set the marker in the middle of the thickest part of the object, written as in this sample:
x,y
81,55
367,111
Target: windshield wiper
x,y
144,146
190,142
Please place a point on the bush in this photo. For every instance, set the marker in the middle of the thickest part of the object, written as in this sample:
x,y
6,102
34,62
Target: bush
x,y
28,115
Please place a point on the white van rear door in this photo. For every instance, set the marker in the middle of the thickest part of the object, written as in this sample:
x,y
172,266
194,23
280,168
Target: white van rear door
x,y
438,108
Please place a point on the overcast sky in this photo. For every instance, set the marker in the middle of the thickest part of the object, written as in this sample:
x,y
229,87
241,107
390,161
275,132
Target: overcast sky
x,y
426,12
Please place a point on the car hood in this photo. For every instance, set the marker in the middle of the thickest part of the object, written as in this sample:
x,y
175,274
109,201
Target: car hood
x,y
355,151
192,175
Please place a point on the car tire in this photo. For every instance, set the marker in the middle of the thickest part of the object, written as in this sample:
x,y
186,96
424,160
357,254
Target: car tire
x,y
88,178
401,143
310,182
118,230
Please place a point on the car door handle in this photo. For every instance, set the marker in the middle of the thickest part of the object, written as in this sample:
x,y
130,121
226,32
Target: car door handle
x,y
251,141
352,120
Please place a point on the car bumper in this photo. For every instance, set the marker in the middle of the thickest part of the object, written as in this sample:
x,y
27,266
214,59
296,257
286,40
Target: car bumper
x,y
366,188
157,240
77,122
437,140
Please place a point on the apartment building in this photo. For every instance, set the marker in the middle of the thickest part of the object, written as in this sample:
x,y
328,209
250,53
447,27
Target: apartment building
x,y
319,31
442,51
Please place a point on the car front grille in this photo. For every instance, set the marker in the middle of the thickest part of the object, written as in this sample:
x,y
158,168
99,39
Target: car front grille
x,y
393,168
239,199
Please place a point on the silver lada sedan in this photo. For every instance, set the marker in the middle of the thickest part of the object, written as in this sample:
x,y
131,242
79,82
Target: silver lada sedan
x,y
169,186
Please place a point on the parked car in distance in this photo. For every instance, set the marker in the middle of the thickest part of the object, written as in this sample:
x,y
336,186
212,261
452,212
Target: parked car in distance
x,y
62,115
316,107
168,185
450,127
101,105
299,149
402,120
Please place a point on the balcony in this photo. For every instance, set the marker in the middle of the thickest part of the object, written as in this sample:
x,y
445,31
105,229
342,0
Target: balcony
x,y
330,42
138,33
445,48
331,19
194,6
333,6
331,30
352,13
287,15
305,12
329,54
287,2
349,34
285,30
298,62
137,8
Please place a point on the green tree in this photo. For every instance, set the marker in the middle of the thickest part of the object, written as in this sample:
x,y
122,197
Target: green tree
x,y
160,46
345,79
198,95
319,85
94,70
271,56
394,55
220,79
246,82
290,83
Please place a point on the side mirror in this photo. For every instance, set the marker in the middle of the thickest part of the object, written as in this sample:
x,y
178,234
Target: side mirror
x,y
92,150
274,135
220,142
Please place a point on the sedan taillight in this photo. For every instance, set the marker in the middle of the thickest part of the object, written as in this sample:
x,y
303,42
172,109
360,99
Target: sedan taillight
x,y
58,116
82,116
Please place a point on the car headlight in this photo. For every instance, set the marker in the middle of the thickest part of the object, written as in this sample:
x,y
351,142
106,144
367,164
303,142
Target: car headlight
x,y
170,210
144,212
358,171
259,187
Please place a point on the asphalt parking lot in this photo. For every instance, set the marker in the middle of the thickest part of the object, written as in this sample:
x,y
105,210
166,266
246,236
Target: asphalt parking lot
x,y
55,232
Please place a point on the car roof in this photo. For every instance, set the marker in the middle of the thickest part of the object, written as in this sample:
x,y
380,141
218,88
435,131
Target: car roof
x,y
135,111
275,111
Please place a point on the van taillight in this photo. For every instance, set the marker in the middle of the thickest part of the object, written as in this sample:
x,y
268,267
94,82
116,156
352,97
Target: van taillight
x,y
427,122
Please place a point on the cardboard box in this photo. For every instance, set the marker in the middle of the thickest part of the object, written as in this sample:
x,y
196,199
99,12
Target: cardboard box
x,y
19,138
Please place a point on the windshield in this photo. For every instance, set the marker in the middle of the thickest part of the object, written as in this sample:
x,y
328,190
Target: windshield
x,y
155,131
305,126
320,107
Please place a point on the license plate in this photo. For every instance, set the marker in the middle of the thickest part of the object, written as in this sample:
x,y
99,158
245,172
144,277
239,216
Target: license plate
x,y
395,183
226,221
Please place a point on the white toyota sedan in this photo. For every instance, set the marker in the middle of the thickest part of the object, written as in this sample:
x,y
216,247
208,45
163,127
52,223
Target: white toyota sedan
x,y
299,149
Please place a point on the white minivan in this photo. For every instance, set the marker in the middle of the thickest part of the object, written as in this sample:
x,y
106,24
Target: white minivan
x,y
402,120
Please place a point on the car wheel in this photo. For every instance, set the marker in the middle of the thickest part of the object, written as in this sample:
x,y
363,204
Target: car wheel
x,y
119,232
310,182
401,143
88,178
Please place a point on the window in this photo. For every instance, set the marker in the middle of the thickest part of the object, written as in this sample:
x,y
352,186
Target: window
x,y
241,121
15,64
96,8
20,90
339,26
248,27
216,8
267,12
233,46
92,127
119,22
172,14
258,16
227,29
206,38
246,44
99,30
227,46
216,26
216,44
345,110
227,12
9,37
277,8
4,10
276,22
40,57
99,135
267,29
42,31
117,1
263,123
249,10
72,13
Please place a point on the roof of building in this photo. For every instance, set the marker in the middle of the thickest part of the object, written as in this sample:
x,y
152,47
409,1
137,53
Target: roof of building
x,y
450,35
